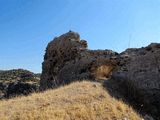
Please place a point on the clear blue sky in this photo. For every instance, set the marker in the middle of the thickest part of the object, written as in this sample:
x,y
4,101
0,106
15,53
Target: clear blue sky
x,y
26,26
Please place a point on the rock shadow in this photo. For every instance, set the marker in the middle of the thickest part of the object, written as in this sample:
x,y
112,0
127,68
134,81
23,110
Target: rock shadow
x,y
127,91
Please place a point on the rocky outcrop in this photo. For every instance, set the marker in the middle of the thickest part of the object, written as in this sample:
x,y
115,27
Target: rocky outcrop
x,y
137,69
141,69
67,59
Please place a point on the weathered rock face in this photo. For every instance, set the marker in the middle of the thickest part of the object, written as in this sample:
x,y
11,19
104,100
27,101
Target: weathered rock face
x,y
67,59
142,68
142,65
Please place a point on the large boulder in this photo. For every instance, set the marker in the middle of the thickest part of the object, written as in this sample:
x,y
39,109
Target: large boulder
x,y
67,59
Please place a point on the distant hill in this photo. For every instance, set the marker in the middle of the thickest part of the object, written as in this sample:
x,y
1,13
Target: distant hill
x,y
17,82
78,101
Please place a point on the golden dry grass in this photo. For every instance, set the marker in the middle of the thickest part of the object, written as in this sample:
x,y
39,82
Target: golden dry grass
x,y
103,71
78,101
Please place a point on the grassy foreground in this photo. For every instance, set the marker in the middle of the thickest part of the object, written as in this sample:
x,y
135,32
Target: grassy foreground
x,y
77,101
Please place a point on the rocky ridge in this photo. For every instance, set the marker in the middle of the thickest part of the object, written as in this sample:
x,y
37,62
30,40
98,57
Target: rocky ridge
x,y
67,59
140,69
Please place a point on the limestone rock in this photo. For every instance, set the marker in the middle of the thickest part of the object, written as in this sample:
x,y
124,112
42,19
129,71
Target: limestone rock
x,y
67,59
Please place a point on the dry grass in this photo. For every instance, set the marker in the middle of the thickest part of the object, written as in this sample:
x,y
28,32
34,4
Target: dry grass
x,y
103,71
78,101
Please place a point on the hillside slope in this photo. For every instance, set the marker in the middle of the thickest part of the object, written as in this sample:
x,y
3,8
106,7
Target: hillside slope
x,y
77,101
17,82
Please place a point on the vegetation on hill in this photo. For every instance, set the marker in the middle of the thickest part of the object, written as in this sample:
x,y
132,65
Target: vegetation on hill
x,y
17,82
15,75
78,101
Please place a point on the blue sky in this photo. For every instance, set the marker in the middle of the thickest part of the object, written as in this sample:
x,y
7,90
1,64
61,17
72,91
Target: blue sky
x,y
26,26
